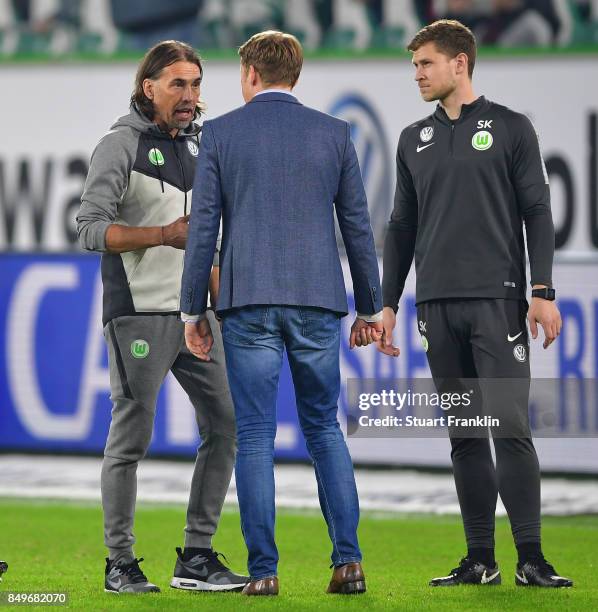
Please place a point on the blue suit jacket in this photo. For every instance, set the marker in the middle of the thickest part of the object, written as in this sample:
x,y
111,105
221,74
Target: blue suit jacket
x,y
276,171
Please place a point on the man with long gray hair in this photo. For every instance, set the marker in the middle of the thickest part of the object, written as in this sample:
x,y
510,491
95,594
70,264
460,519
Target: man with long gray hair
x,y
134,210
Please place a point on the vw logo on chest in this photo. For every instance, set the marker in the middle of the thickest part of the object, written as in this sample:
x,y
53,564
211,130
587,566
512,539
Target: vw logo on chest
x,y
193,148
426,134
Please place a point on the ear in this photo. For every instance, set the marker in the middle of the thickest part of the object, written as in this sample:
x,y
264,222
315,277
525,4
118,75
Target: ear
x,y
254,76
148,88
461,63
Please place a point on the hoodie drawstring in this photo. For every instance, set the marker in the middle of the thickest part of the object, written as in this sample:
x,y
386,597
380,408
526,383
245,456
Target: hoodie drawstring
x,y
182,173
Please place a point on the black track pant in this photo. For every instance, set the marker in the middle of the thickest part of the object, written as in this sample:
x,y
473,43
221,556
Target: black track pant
x,y
487,339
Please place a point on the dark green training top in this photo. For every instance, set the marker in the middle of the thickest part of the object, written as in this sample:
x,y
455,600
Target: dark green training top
x,y
464,189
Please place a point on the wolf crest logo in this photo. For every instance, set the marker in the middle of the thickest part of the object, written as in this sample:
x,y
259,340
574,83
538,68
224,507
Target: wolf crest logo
x,y
140,349
482,140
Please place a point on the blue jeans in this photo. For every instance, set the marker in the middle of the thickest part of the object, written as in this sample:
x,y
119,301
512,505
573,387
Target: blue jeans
x,y
254,340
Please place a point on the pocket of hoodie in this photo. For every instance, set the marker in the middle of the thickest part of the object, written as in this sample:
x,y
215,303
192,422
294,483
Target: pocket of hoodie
x,y
134,266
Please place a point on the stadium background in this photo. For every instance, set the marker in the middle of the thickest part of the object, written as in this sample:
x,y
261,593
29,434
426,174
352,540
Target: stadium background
x,y
66,72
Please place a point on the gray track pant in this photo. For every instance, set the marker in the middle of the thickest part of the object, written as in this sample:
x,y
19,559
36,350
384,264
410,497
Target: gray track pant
x,y
135,382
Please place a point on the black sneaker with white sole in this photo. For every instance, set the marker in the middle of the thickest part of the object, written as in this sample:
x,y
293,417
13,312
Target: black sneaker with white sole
x,y
469,571
538,572
127,578
202,570
3,568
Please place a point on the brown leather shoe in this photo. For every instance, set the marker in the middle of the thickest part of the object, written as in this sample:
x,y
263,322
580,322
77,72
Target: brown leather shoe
x,y
347,579
264,586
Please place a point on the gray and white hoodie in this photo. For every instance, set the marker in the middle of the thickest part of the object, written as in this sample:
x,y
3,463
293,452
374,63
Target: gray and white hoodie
x,y
138,176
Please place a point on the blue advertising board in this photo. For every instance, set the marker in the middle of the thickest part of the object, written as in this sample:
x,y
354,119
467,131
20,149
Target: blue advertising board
x,y
54,379
54,386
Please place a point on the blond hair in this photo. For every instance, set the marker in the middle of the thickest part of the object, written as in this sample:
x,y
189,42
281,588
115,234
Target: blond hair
x,y
276,56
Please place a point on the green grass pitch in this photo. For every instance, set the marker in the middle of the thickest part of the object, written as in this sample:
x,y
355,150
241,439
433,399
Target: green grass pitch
x,y
57,546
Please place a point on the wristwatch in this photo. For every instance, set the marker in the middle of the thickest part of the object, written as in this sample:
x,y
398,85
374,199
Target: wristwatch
x,y
546,293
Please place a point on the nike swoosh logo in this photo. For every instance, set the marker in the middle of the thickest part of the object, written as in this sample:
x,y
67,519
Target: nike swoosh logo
x,y
421,148
202,573
513,338
487,579
115,584
523,577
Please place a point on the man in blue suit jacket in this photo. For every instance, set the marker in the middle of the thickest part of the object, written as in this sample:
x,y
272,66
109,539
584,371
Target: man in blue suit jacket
x,y
276,171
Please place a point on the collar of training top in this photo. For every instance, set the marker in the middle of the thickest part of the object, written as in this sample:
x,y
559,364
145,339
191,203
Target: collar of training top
x,y
467,110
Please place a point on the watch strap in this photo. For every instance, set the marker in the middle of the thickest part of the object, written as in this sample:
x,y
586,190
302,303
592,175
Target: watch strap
x,y
546,293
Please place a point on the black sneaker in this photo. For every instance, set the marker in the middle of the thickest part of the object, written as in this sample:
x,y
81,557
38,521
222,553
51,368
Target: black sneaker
x,y
205,572
127,578
469,572
538,572
3,568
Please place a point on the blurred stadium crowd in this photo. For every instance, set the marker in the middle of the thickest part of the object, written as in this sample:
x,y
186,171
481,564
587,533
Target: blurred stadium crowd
x,y
58,27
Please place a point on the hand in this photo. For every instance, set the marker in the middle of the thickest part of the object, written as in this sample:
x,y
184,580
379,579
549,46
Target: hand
x,y
199,339
548,316
385,345
364,333
175,233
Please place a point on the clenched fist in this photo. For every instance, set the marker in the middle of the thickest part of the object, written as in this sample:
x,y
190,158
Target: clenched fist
x,y
175,234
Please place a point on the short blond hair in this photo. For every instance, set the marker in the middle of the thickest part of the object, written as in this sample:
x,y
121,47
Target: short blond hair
x,y
276,56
